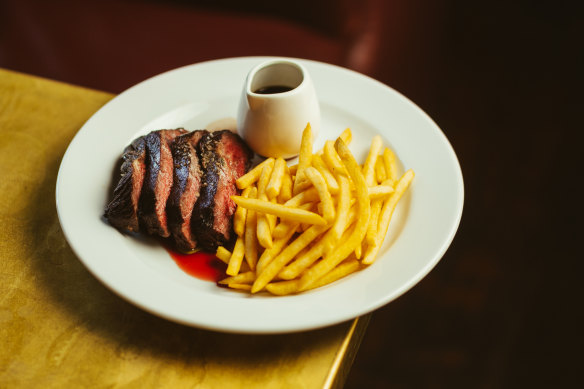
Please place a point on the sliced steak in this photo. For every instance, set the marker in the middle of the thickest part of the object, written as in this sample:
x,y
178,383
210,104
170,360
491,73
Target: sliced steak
x,y
186,184
157,181
122,211
224,158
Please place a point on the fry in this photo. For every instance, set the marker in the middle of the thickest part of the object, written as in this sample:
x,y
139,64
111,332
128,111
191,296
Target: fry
x,y
332,159
360,226
326,243
343,206
304,260
282,211
223,254
269,254
380,173
286,188
275,183
385,216
380,191
343,269
236,258
241,278
304,157
390,164
263,232
295,268
373,221
370,179
250,239
265,177
301,185
282,288
272,219
240,215
245,287
285,225
359,250
328,211
329,178
369,167
346,136
309,195
271,270
252,176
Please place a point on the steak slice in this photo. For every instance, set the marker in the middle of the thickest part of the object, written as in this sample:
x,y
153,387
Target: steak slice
x,y
157,181
122,210
187,175
224,158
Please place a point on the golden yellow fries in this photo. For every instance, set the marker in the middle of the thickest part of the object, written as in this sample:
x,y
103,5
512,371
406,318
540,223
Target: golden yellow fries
x,y
304,158
331,181
274,267
385,216
236,258
334,257
328,209
223,254
308,225
379,191
275,183
280,210
390,165
286,188
241,278
241,214
253,175
369,167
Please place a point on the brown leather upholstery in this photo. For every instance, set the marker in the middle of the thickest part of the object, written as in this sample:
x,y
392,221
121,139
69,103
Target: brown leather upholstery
x,y
111,45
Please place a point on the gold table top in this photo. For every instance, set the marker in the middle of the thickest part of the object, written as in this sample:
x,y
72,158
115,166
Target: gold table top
x,y
60,327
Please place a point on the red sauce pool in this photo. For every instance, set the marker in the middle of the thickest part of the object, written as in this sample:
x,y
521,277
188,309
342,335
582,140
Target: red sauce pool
x,y
205,266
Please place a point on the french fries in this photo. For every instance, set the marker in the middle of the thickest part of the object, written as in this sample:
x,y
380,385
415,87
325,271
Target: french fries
x,y
275,183
253,175
304,158
251,243
385,216
369,167
280,210
223,254
304,226
328,209
333,258
236,258
241,214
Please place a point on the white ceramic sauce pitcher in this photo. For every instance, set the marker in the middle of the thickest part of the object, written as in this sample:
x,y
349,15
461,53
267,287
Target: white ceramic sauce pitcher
x,y
277,102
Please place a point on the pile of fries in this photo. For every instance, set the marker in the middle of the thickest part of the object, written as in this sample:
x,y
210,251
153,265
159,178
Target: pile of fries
x,y
307,225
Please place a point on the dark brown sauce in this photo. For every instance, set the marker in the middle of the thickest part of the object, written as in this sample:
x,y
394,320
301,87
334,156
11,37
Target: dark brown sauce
x,y
272,89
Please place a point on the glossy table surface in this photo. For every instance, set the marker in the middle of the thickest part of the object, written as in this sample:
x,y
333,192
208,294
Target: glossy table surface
x,y
60,327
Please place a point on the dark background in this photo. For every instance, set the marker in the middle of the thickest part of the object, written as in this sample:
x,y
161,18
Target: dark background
x,y
502,79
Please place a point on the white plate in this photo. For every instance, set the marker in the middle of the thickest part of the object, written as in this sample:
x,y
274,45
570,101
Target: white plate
x,y
143,273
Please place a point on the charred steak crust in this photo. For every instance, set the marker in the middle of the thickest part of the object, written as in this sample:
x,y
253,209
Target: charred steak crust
x,y
122,210
180,183
224,158
186,184
157,181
